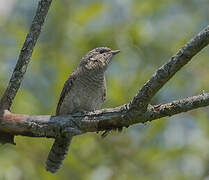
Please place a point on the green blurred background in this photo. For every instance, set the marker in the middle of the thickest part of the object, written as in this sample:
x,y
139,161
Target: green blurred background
x,y
147,32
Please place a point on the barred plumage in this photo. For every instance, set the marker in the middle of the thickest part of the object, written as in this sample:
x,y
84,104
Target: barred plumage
x,y
84,90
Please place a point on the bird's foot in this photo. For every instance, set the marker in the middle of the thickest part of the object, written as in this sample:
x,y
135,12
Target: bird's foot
x,y
106,132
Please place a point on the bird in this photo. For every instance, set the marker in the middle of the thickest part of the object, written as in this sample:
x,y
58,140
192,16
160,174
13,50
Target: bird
x,y
84,90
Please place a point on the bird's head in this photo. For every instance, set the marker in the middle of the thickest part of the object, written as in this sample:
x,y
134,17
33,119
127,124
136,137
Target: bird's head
x,y
98,59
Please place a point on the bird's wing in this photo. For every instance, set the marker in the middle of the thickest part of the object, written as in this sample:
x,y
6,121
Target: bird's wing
x,y
67,87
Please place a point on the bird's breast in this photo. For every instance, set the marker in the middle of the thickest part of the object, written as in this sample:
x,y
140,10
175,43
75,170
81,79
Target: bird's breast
x,y
83,96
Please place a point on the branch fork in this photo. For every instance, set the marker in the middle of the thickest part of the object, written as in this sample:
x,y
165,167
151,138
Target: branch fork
x,y
138,110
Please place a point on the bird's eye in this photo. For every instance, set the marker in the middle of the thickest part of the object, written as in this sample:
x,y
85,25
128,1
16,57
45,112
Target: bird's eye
x,y
101,51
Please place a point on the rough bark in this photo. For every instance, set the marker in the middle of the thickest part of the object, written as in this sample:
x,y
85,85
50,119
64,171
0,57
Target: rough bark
x,y
166,72
22,63
105,119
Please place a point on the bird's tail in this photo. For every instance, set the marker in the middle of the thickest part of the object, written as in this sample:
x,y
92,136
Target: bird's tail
x,y
58,153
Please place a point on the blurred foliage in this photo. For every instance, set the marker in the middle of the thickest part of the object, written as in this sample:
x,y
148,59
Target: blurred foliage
x,y
148,32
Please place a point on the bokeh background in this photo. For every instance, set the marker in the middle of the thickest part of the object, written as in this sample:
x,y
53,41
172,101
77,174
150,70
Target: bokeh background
x,y
147,32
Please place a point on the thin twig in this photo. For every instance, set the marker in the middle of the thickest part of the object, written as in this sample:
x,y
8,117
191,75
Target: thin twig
x,y
166,72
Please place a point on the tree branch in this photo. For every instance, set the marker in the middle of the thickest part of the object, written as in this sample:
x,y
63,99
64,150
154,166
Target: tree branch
x,y
22,63
105,119
25,54
166,72
137,111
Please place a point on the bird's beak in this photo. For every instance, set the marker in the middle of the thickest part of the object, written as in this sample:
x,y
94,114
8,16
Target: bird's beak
x,y
114,52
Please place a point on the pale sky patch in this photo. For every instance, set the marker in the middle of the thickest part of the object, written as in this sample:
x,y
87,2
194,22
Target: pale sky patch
x,y
6,6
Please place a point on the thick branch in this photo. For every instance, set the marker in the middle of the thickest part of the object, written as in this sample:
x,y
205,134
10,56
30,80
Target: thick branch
x,y
166,72
25,55
105,119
